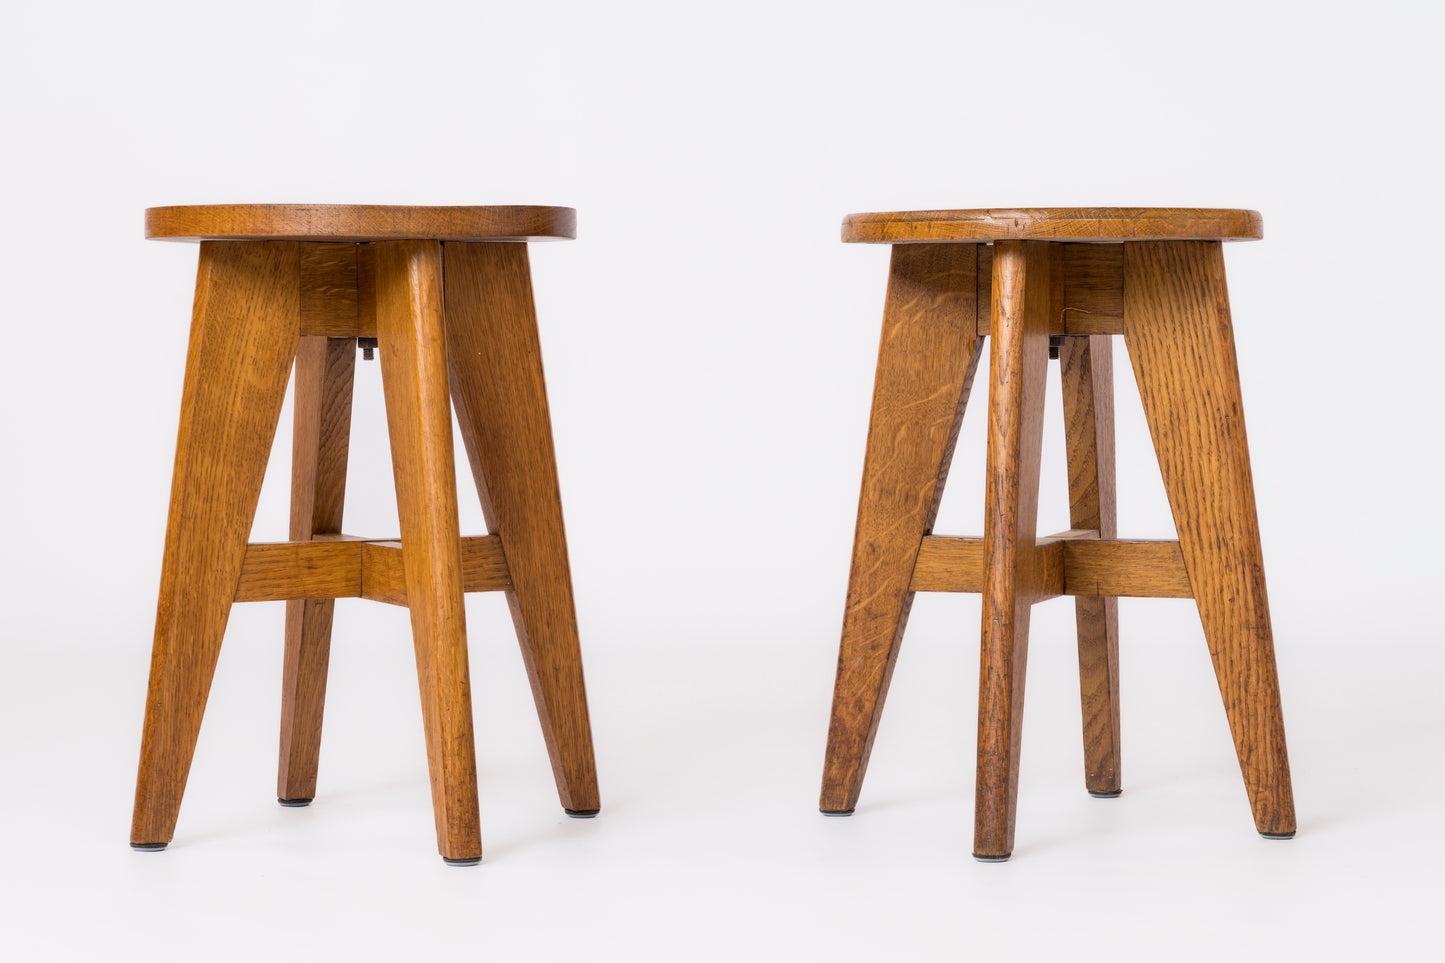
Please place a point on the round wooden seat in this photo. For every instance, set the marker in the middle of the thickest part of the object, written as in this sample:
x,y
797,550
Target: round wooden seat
x,y
358,222
1082,224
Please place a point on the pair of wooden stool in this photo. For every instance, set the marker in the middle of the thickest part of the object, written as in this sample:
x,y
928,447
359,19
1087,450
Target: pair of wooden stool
x,y
445,294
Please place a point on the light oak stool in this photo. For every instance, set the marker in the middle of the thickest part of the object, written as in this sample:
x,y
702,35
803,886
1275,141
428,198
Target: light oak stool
x,y
445,293
1057,282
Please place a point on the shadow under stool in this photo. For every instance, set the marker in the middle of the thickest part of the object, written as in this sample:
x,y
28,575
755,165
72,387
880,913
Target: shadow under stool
x,y
445,295
1042,283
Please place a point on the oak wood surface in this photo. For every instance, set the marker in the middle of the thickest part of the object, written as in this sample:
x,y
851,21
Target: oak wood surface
x,y
1179,334
1139,568
350,567
244,332
282,571
383,573
413,347
325,369
1023,281
501,402
1090,296
1086,374
359,222
1053,224
927,356
331,291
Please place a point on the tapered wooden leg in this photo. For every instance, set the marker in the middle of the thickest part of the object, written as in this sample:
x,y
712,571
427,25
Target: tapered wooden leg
x,y
243,336
325,368
418,414
1087,373
1018,369
926,362
1180,338
501,401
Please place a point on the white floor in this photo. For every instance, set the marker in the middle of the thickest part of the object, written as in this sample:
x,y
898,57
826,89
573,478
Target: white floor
x,y
709,845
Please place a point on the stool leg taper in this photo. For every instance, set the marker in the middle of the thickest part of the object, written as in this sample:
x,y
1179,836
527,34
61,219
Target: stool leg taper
x,y
412,341
325,370
926,362
1018,373
495,359
1178,331
1086,371
244,332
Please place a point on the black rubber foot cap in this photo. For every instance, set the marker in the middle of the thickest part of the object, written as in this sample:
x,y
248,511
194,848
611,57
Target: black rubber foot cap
x,y
1289,835
836,812
581,813
1111,794
294,803
469,861
992,859
148,847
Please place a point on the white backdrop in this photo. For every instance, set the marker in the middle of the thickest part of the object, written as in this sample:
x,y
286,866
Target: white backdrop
x,y
709,347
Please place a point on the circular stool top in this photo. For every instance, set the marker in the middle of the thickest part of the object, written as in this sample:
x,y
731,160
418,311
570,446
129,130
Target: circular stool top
x,y
358,222
1085,224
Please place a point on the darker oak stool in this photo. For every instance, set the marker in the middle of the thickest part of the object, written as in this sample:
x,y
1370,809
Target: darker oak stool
x,y
1041,283
446,295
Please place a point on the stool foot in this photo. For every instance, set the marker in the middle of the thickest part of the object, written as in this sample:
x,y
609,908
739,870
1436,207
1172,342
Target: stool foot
x,y
1106,794
419,421
582,813
927,357
148,847
294,803
494,356
836,812
469,861
243,337
1018,375
1180,339
1288,835
1086,372
993,859
325,371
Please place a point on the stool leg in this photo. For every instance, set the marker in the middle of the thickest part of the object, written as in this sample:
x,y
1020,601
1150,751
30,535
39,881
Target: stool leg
x,y
325,368
418,414
1087,373
1180,339
926,362
501,400
243,337
1018,370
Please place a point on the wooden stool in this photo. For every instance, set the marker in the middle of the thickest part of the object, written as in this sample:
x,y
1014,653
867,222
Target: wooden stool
x,y
1057,282
284,282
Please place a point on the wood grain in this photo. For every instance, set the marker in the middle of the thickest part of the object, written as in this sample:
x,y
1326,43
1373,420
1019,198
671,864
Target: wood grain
x,y
383,577
350,567
359,222
325,368
1019,356
501,401
282,571
1091,295
1116,568
927,357
1088,224
1141,568
329,296
1086,373
418,414
244,331
1180,338
383,572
